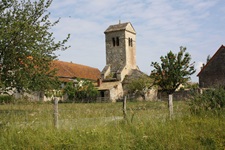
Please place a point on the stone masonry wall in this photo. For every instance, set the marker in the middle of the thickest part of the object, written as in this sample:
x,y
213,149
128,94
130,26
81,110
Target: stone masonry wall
x,y
214,73
115,55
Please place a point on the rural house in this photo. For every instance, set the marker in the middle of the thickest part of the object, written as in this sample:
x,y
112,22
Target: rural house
x,y
120,41
213,73
66,72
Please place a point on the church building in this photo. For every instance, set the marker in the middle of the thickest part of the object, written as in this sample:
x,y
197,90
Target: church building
x,y
120,41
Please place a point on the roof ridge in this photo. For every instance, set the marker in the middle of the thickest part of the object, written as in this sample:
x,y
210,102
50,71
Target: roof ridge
x,y
118,27
75,64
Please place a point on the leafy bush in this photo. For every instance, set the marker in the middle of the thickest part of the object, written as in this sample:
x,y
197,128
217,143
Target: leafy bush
x,y
83,91
213,99
5,99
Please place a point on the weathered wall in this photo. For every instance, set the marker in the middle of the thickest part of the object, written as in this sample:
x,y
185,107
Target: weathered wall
x,y
116,92
177,95
37,96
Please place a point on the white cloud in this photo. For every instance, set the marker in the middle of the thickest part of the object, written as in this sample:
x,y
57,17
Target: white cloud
x,y
200,5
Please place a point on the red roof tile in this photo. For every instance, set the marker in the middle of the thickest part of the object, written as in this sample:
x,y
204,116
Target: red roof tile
x,y
69,70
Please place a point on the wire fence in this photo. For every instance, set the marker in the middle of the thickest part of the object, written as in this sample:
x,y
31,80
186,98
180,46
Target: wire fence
x,y
60,115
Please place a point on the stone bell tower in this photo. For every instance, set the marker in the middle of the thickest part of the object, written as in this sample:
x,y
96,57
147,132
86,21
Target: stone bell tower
x,y
120,40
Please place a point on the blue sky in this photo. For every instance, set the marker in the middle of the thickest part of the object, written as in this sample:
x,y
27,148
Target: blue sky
x,y
161,26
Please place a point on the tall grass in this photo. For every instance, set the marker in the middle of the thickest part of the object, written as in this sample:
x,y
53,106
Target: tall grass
x,y
101,126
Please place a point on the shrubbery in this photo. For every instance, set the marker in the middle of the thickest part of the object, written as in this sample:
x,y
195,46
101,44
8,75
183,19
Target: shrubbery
x,y
213,99
5,99
83,91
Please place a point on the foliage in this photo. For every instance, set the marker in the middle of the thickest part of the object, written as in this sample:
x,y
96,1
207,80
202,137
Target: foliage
x,y
6,99
140,85
53,93
212,99
84,90
173,71
70,90
27,46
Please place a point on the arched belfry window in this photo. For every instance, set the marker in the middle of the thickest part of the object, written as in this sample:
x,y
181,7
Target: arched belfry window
x,y
114,41
117,41
130,42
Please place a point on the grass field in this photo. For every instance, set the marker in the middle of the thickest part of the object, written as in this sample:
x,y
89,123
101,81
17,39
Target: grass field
x,y
101,126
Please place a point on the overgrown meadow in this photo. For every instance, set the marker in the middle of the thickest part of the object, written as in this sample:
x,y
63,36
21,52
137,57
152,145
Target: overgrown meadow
x,y
102,126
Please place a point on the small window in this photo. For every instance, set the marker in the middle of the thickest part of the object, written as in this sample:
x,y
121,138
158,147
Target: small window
x,y
130,42
117,41
114,41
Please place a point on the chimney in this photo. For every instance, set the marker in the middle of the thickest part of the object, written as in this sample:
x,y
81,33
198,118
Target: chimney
x,y
99,81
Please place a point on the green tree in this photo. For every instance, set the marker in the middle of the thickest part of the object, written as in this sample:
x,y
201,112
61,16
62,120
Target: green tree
x,y
27,47
174,70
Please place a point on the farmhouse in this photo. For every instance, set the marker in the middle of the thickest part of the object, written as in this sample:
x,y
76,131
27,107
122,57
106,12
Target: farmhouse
x,y
120,41
66,72
213,73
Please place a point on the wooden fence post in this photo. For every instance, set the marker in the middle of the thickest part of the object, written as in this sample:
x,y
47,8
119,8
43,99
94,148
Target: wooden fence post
x,y
171,105
125,107
56,112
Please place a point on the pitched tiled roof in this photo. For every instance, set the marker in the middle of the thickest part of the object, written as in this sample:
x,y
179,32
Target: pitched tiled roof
x,y
69,70
134,74
222,47
117,27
